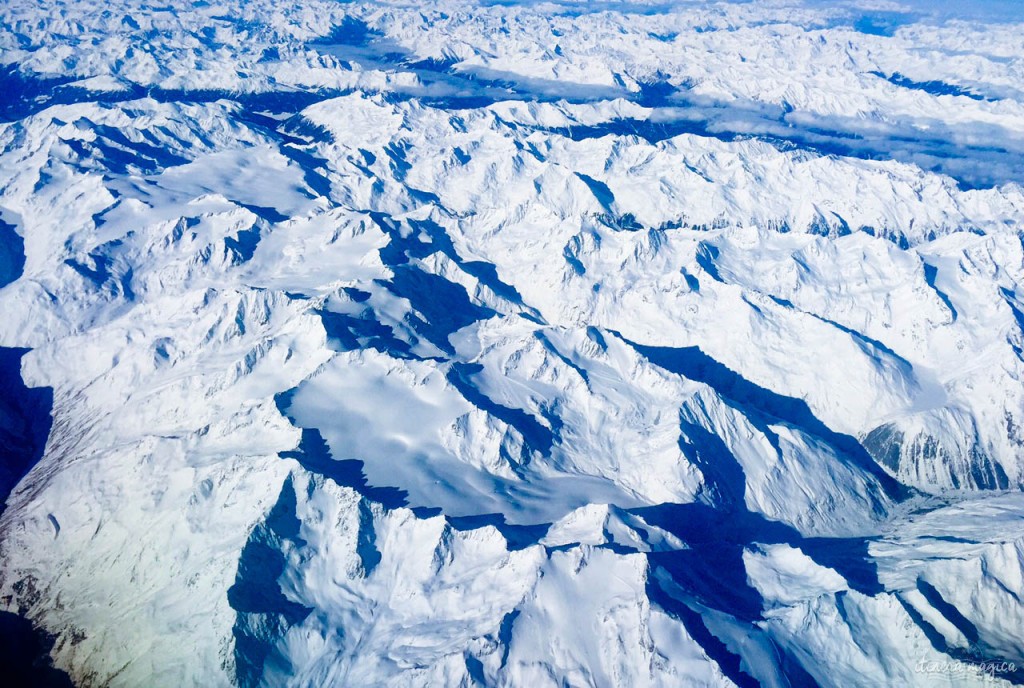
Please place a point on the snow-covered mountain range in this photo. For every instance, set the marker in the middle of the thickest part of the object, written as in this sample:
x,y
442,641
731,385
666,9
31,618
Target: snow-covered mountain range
x,y
516,344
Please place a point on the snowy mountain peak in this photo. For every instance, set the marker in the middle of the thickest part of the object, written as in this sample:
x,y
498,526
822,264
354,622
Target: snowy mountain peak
x,y
614,344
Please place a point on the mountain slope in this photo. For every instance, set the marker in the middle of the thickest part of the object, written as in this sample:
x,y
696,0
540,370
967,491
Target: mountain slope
x,y
513,344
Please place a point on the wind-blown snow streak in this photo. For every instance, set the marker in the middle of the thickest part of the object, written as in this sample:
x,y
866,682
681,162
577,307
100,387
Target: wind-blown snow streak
x,y
513,344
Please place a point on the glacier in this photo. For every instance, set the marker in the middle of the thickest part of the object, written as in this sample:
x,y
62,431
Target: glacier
x,y
458,343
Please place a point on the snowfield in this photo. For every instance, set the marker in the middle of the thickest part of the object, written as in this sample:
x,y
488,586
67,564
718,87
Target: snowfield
x,y
513,344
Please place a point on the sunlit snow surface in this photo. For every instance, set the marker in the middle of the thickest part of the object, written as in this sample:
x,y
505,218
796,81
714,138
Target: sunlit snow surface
x,y
514,344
